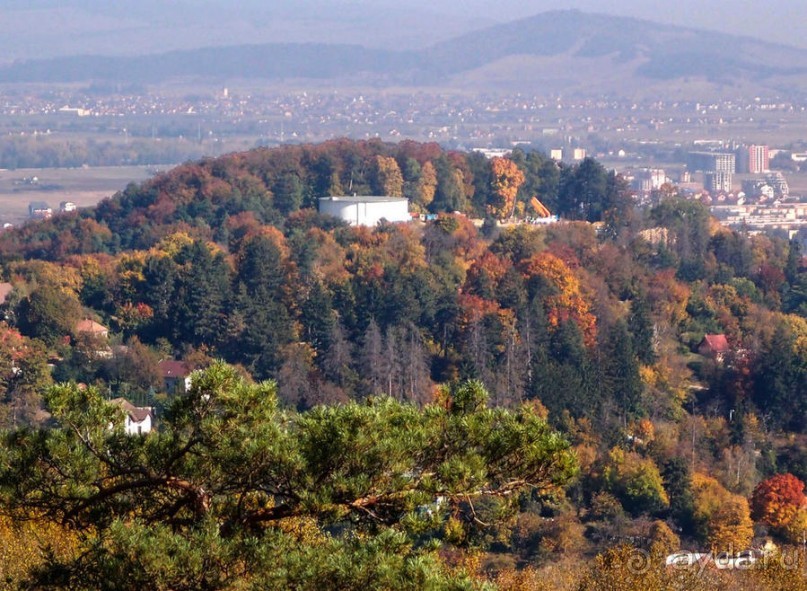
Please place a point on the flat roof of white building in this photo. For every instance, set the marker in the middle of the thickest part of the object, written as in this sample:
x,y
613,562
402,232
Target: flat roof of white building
x,y
363,199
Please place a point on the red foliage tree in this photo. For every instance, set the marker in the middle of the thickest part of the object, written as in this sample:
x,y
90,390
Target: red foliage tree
x,y
776,501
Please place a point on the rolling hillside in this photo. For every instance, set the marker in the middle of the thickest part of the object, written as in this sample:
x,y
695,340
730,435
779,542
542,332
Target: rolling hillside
x,y
559,51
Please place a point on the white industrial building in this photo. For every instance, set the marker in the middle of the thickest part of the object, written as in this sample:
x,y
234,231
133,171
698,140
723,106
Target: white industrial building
x,y
366,211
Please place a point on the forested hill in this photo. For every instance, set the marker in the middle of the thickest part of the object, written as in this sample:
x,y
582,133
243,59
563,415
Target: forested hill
x,y
269,186
597,322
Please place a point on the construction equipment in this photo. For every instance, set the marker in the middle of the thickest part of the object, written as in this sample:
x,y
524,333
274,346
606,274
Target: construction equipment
x,y
540,208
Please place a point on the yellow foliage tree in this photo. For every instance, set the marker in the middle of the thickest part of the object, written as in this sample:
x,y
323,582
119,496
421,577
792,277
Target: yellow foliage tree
x,y
730,527
563,575
624,568
64,278
506,178
663,539
172,244
724,518
427,185
25,546
130,271
795,531
636,481
779,571
708,495
390,179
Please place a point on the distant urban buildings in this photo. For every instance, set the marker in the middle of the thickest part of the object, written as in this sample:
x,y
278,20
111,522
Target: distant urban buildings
x,y
772,185
718,182
575,154
39,210
717,168
712,161
646,180
787,219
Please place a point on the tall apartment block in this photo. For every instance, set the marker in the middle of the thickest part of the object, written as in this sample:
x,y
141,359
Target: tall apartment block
x,y
753,159
718,182
717,168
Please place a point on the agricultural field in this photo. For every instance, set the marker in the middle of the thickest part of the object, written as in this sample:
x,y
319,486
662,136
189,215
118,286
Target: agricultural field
x,y
84,186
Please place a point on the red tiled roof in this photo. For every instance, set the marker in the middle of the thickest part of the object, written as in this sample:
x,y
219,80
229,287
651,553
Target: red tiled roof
x,y
91,327
5,290
716,342
173,369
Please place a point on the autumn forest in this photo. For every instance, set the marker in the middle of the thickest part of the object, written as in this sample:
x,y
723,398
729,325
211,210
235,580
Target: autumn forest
x,y
458,403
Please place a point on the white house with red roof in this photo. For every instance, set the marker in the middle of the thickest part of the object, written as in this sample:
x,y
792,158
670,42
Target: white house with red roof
x,y
139,419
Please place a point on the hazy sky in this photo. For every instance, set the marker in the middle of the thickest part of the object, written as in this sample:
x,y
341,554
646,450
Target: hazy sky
x,y
48,28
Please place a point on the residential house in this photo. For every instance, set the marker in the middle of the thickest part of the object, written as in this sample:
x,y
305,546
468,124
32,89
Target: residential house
x,y
176,375
98,334
91,327
139,419
714,346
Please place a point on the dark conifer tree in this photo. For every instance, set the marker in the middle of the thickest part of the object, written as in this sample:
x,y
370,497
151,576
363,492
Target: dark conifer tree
x,y
372,360
449,196
267,323
641,327
318,318
201,296
619,370
780,388
289,192
563,377
678,484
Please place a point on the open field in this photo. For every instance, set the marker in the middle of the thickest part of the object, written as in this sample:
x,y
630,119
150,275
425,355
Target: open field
x,y
84,186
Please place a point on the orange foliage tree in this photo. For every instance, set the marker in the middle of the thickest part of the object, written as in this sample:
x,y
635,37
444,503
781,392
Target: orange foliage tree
x,y
485,274
565,300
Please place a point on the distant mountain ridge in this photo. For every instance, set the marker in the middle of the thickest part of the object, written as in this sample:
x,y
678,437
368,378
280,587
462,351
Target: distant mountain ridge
x,y
270,61
521,54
